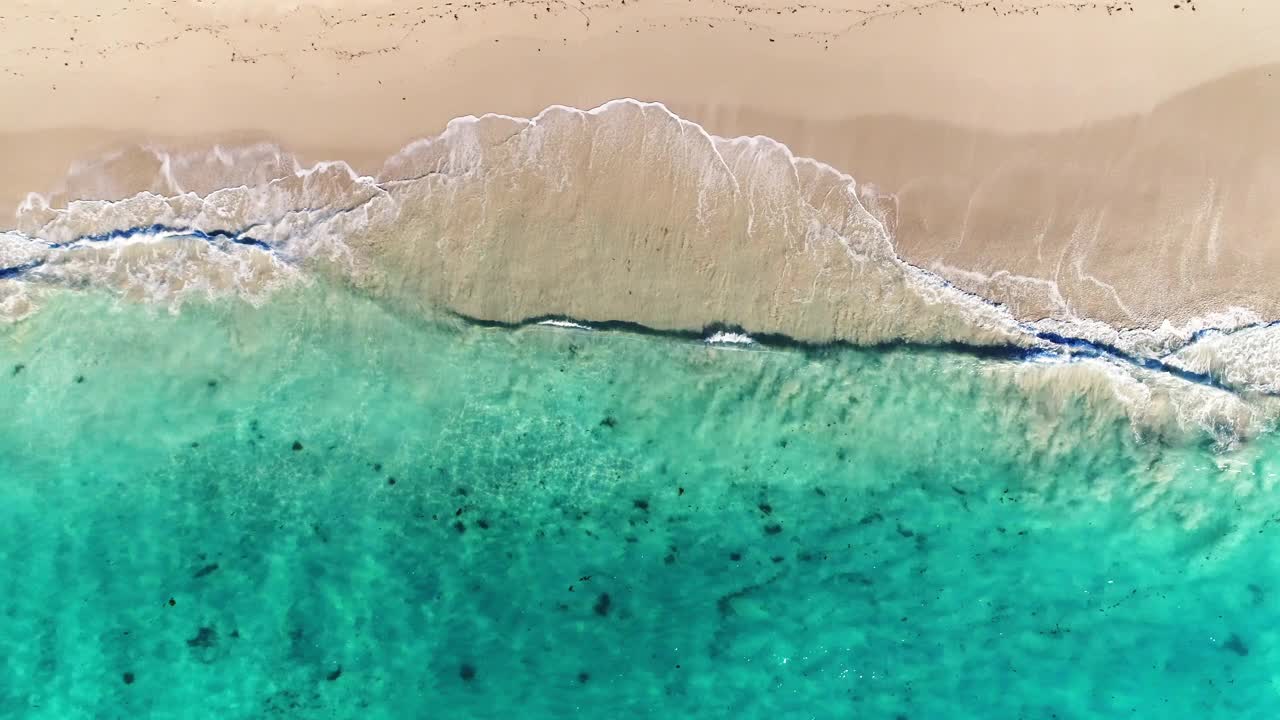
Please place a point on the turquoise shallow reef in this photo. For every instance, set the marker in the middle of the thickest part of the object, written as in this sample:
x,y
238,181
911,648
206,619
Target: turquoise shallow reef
x,y
322,509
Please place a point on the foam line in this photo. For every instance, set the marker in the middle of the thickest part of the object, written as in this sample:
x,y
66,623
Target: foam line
x,y
239,238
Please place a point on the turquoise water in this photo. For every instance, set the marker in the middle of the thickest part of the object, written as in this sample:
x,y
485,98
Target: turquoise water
x,y
320,509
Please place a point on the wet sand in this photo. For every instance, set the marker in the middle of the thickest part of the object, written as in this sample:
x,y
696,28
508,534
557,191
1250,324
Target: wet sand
x,y
1106,161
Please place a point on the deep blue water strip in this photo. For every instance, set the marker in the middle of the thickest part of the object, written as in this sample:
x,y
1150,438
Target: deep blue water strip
x,y
1064,347
239,238
17,271
1081,347
1088,348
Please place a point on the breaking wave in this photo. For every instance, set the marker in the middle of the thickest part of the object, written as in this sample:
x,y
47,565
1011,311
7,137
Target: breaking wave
x,y
623,213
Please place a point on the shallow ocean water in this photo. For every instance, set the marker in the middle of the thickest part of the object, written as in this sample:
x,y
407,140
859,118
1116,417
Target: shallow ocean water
x,y
322,509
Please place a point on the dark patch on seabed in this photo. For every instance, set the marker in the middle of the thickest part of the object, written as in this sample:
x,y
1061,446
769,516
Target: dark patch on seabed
x,y
206,637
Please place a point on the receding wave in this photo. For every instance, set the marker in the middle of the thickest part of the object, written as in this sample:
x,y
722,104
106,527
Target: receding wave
x,y
621,213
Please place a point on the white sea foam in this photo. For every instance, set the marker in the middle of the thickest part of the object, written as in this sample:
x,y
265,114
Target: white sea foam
x,y
729,338
565,324
1247,359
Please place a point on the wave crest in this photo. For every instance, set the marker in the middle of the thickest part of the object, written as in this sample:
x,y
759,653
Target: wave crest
x,y
625,212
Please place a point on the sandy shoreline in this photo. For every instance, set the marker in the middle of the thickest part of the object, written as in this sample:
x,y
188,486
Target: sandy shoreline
x,y
1110,161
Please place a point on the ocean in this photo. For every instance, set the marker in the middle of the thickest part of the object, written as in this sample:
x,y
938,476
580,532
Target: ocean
x,y
323,508
597,415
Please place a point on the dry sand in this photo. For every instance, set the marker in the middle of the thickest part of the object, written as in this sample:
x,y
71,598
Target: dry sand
x,y
1109,160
